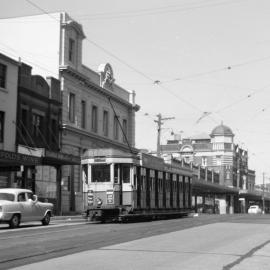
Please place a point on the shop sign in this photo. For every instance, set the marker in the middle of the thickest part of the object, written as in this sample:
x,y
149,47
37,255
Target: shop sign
x,y
20,158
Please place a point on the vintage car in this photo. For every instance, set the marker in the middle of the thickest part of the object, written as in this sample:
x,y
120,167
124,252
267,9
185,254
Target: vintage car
x,y
254,209
21,205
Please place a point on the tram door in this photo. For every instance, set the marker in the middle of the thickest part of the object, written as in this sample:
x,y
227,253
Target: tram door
x,y
122,176
148,188
138,172
118,183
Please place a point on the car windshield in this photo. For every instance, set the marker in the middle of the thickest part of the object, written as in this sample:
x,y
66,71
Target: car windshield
x,y
7,197
254,206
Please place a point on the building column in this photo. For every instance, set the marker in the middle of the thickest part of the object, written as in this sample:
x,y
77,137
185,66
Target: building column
x,y
231,208
58,190
196,205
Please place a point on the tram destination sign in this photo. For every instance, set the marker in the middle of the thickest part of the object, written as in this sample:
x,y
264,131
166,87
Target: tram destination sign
x,y
100,159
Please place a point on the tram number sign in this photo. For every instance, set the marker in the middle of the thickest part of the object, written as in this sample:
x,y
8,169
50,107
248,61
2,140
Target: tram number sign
x,y
110,198
90,197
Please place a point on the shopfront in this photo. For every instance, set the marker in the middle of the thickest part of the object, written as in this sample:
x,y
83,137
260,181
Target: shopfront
x,y
40,174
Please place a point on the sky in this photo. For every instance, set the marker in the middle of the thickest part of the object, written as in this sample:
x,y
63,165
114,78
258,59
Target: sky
x,y
184,59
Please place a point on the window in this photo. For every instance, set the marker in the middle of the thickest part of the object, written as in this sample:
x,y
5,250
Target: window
x,y
105,123
94,119
83,114
2,123
218,159
204,161
37,125
3,74
71,49
115,128
124,130
126,173
24,122
71,107
54,133
101,173
21,197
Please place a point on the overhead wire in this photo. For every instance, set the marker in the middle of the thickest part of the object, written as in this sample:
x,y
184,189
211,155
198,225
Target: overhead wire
x,y
151,79
123,62
152,11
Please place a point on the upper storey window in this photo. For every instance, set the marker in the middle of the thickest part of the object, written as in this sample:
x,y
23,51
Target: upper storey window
x,y
71,107
71,50
3,74
204,161
124,130
2,122
94,118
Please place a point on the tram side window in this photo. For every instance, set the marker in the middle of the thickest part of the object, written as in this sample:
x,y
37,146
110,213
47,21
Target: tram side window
x,y
100,173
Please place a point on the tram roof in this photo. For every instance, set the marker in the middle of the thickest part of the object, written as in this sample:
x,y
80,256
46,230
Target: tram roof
x,y
107,152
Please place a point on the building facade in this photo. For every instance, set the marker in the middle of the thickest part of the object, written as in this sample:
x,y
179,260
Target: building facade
x,y
219,153
96,112
216,151
39,118
8,111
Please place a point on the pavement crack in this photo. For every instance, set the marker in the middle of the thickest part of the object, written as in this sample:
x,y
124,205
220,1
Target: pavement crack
x,y
170,251
245,256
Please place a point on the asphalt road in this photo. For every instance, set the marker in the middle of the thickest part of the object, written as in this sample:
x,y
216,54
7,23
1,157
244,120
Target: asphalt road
x,y
225,242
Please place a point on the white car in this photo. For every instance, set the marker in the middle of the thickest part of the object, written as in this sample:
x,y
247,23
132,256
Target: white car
x,y
21,205
254,209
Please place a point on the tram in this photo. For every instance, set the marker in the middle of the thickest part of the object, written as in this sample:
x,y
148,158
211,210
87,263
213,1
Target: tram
x,y
121,186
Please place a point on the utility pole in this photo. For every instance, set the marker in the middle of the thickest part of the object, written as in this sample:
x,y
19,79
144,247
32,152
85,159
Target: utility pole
x,y
159,124
263,203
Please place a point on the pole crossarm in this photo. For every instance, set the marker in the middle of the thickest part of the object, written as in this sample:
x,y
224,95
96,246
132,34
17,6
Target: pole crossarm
x,y
159,123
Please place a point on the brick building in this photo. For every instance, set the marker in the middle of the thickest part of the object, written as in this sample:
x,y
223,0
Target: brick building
x,y
8,111
216,151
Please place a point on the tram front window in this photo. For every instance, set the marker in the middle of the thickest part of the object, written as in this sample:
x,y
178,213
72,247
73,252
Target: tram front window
x,y
122,170
101,173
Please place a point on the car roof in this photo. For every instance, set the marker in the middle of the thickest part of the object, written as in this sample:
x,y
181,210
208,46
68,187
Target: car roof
x,y
14,190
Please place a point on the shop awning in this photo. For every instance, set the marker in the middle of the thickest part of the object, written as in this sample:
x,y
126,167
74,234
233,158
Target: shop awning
x,y
203,187
58,158
10,159
254,195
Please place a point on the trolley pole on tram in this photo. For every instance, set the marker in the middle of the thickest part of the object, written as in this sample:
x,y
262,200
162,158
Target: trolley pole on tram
x,y
159,124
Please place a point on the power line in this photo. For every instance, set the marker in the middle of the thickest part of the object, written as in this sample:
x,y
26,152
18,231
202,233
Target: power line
x,y
158,11
122,61
157,82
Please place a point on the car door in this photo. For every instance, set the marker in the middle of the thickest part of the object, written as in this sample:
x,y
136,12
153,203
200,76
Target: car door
x,y
36,209
24,206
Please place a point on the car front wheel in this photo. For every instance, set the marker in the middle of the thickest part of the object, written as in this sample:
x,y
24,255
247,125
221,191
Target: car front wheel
x,y
46,220
14,222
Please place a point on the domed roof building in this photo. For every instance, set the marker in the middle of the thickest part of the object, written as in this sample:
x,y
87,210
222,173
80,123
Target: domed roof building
x,y
218,152
222,130
222,134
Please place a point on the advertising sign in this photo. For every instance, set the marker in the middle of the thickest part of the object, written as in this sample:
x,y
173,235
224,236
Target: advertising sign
x,y
110,197
90,197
